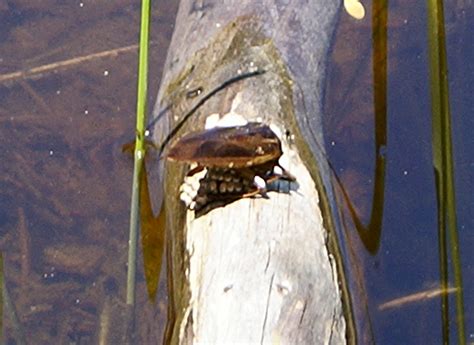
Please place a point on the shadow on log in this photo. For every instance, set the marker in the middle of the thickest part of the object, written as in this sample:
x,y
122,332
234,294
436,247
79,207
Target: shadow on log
x,y
258,270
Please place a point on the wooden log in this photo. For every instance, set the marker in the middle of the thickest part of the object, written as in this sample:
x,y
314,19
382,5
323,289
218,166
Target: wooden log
x,y
257,270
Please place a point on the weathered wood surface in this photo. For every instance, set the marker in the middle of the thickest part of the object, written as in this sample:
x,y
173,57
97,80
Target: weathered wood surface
x,y
257,270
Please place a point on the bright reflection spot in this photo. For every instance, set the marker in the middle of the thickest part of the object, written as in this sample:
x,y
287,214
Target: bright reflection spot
x,y
354,8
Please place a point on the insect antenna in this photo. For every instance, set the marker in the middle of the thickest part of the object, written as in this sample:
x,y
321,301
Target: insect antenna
x,y
157,118
203,100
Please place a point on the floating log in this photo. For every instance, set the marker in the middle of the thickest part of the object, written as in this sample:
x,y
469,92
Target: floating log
x,y
257,270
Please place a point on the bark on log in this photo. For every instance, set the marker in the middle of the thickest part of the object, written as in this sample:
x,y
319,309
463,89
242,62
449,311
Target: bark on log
x,y
257,270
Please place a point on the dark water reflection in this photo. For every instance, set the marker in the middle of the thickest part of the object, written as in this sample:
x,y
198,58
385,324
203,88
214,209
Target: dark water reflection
x,y
407,261
64,184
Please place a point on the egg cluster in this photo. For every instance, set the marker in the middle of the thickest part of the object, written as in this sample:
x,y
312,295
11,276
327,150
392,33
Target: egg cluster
x,y
215,187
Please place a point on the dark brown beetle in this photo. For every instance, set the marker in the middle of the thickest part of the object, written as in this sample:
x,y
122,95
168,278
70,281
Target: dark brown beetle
x,y
239,162
228,147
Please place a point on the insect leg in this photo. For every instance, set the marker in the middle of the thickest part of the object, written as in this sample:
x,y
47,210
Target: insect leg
x,y
195,170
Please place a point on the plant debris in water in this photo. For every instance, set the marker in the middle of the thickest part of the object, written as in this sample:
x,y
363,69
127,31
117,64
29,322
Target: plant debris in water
x,y
64,185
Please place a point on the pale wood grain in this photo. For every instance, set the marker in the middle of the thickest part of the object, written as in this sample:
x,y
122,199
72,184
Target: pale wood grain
x,y
257,270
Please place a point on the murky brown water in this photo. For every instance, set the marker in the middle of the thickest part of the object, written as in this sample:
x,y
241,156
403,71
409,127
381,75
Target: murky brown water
x,y
65,186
